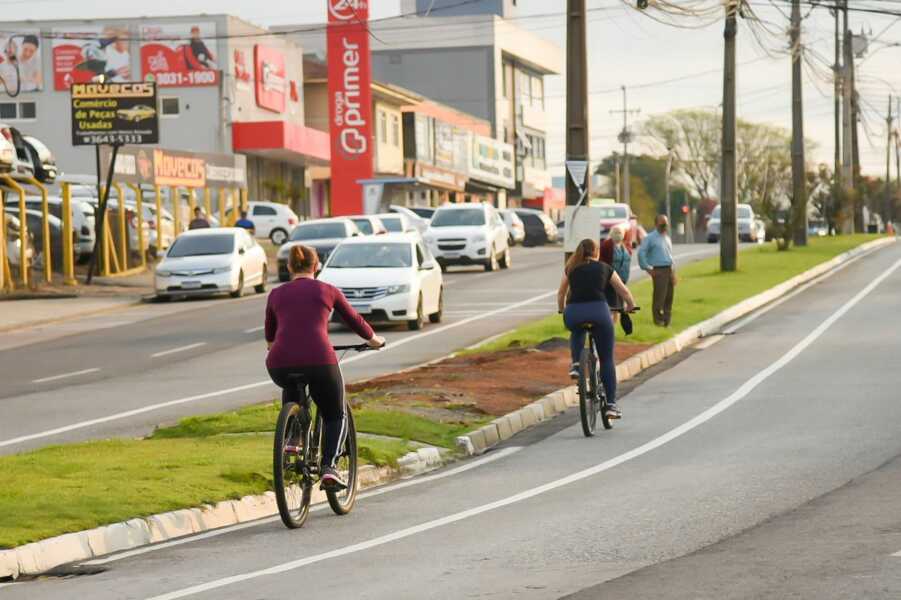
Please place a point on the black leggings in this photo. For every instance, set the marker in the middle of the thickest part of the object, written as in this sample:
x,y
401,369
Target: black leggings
x,y
327,390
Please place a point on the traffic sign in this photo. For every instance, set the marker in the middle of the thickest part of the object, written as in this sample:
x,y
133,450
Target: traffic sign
x,y
577,170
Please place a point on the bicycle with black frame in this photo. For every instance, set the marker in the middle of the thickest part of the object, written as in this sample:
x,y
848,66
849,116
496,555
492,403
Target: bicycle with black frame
x,y
592,398
297,456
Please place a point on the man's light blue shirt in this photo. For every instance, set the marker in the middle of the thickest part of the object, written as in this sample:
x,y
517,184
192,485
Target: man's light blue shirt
x,y
656,250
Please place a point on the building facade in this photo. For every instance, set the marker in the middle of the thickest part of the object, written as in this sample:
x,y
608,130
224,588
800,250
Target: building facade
x,y
476,62
224,86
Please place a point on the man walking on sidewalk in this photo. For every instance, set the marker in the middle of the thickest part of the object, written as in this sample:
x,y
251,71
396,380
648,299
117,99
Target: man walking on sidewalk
x,y
656,257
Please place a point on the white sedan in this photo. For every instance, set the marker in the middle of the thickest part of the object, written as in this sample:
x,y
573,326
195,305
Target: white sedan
x,y
388,278
211,261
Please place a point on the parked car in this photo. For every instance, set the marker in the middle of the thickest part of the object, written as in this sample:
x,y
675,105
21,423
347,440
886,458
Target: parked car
x,y
749,226
7,155
425,212
369,224
389,278
271,220
817,228
21,166
468,233
617,214
211,261
13,245
321,234
82,219
397,223
167,229
131,222
539,229
420,223
35,222
42,160
516,231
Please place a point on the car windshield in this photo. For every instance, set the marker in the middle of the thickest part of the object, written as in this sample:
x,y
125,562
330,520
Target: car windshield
x,y
460,217
202,245
394,224
716,213
363,225
744,212
319,231
425,213
614,212
372,256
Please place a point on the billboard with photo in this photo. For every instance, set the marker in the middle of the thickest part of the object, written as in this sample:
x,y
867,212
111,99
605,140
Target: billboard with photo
x,y
179,55
20,62
83,54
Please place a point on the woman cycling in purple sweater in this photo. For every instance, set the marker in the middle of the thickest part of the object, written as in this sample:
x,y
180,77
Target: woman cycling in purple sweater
x,y
297,317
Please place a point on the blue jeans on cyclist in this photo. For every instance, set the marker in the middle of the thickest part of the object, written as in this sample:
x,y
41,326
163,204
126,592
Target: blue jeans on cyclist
x,y
598,314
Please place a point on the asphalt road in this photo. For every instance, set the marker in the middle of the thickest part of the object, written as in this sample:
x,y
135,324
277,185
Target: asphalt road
x,y
755,429
157,363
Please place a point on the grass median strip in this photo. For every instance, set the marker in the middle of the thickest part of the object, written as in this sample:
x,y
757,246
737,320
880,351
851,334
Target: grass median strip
x,y
200,460
702,291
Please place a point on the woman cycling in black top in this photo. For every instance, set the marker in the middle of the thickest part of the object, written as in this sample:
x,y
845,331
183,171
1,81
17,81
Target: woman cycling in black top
x,y
581,299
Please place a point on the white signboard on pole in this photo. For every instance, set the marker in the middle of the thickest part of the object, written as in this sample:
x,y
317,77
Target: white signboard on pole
x,y
581,222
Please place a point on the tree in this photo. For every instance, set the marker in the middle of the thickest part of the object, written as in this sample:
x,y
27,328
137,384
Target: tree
x,y
651,172
693,136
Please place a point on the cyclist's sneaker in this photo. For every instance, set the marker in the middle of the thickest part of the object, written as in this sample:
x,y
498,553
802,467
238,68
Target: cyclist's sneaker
x,y
613,411
332,481
574,371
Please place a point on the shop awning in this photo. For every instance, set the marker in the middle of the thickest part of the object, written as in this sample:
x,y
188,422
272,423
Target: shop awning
x,y
283,141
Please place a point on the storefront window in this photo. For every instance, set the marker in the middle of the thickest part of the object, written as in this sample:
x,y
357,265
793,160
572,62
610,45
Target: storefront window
x,y
383,127
395,130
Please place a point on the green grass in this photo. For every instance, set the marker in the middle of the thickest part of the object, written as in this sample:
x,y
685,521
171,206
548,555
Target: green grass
x,y
206,459
702,291
411,427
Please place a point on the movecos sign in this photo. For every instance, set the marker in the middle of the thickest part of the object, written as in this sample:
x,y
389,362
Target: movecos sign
x,y
350,103
176,168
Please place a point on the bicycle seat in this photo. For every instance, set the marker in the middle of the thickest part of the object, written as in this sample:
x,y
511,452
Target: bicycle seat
x,y
586,325
296,379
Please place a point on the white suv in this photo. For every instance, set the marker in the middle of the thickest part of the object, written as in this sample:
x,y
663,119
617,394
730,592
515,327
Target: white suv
x,y
272,220
468,233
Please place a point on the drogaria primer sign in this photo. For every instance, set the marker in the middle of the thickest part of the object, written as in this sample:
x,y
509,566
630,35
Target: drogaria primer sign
x,y
350,103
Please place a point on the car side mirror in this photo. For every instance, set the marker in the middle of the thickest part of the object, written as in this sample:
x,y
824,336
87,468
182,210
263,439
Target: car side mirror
x,y
427,266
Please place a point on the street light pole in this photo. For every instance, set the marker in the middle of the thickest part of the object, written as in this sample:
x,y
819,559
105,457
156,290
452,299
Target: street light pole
x,y
728,225
799,189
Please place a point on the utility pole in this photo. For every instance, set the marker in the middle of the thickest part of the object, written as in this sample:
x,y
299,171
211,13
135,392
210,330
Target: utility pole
x,y
799,188
625,136
897,160
728,228
577,140
889,121
618,197
837,166
669,168
847,174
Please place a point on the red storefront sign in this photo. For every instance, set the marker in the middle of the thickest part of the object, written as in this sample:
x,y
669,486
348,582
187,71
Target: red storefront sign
x,y
349,103
271,80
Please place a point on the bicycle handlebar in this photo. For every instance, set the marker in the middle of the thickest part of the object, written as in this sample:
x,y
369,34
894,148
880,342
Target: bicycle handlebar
x,y
623,310
357,347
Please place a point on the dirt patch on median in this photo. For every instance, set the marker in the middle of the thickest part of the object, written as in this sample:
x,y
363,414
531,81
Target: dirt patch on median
x,y
492,384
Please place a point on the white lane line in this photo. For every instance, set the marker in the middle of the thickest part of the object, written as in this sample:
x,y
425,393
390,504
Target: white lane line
x,y
745,389
254,329
240,388
64,375
179,349
493,456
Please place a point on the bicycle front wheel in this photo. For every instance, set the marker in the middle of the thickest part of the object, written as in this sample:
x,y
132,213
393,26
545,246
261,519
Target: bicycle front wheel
x,y
292,482
587,392
343,501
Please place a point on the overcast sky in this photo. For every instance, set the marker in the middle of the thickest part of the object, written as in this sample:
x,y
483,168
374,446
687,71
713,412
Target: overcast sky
x,y
626,48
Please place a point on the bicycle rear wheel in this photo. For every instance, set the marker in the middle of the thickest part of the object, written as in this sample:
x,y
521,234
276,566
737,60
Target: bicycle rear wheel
x,y
601,401
343,501
292,482
587,392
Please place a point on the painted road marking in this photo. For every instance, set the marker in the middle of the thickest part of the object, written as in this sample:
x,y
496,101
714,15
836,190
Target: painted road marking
x,y
724,404
267,382
254,329
179,349
64,375
493,456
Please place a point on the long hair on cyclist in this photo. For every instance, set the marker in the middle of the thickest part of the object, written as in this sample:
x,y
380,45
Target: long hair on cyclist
x,y
585,251
302,259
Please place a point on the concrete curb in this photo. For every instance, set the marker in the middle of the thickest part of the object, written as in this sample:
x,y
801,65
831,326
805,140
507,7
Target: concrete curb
x,y
505,427
40,557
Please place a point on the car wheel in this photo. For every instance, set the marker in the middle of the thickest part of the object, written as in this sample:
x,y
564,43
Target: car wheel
x,y
443,267
417,323
505,261
261,287
278,236
435,317
491,264
159,298
511,241
240,291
